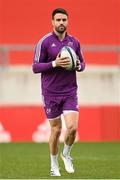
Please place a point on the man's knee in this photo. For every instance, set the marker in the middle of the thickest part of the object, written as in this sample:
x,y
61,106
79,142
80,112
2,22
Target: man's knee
x,y
56,130
72,130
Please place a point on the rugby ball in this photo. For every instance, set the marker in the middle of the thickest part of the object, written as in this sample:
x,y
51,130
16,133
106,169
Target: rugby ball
x,y
67,51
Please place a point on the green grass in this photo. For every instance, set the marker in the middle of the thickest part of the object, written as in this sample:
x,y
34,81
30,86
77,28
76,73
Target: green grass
x,y
31,161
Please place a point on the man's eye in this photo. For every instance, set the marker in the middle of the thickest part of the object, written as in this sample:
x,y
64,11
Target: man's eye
x,y
61,20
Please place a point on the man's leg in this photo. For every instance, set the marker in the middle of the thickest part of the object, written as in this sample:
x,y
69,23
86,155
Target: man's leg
x,y
56,126
71,120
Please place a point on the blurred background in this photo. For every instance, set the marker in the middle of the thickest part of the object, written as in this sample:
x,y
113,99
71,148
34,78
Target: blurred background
x,y
97,25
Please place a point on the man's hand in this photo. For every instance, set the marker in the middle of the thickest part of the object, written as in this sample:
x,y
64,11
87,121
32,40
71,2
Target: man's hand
x,y
62,62
78,67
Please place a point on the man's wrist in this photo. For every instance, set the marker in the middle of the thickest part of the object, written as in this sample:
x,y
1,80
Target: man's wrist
x,y
53,64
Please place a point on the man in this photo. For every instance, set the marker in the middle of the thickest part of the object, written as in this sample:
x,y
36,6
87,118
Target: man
x,y
59,87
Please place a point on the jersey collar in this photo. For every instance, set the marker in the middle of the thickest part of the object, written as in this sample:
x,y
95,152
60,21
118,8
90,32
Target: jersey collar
x,y
57,36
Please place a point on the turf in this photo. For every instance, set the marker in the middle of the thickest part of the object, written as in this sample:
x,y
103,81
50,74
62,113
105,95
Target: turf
x,y
31,161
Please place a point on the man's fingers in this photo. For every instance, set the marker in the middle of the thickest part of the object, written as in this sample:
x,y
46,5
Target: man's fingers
x,y
58,56
63,58
78,61
65,62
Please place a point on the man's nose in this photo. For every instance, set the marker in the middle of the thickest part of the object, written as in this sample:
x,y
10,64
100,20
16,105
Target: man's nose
x,y
61,22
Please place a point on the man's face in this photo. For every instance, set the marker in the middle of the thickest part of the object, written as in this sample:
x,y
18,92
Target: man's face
x,y
60,22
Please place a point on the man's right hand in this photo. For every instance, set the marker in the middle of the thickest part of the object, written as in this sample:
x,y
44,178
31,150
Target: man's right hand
x,y
62,62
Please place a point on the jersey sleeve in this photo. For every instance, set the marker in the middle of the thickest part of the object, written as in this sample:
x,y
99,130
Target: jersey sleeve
x,y
81,57
40,63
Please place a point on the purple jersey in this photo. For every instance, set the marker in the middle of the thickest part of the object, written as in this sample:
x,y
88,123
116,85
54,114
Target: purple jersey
x,y
56,81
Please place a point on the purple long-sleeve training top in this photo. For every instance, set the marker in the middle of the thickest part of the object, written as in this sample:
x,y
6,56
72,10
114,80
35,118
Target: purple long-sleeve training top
x,y
56,81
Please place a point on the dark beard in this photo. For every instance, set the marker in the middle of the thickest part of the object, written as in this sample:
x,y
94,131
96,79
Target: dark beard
x,y
60,29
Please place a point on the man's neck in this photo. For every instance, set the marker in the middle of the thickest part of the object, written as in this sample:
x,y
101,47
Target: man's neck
x,y
61,36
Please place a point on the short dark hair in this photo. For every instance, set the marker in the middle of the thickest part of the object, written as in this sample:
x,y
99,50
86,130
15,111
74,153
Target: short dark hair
x,y
59,10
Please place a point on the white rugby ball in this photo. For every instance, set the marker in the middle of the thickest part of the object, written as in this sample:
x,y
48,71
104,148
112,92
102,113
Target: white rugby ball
x,y
67,51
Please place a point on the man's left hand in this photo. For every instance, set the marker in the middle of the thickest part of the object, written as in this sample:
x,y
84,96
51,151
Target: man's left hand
x,y
78,66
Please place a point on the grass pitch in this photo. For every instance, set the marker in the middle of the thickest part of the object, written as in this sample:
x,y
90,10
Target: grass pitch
x,y
32,161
